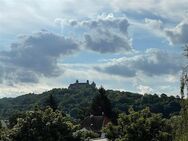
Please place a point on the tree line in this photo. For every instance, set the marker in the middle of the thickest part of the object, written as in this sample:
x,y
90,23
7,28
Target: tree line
x,y
48,122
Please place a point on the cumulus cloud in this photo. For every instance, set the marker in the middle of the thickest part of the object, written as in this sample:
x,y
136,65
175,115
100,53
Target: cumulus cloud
x,y
153,62
178,34
108,21
35,55
105,41
175,35
105,34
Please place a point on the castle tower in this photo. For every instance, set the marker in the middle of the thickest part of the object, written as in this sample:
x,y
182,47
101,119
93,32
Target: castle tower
x,y
87,81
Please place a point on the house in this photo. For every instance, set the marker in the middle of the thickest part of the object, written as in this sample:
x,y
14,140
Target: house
x,y
78,85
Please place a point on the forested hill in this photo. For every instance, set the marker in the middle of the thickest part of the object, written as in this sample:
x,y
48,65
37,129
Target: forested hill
x,y
76,102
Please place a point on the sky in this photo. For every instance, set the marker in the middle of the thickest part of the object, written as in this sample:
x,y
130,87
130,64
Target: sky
x,y
127,45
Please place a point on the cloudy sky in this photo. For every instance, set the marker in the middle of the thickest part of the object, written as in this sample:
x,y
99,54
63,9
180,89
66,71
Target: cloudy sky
x,y
126,45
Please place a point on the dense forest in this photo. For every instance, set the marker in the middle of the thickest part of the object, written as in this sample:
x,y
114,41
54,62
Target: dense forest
x,y
76,102
60,113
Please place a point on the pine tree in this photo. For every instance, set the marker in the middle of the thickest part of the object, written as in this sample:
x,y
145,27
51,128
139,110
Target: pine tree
x,y
51,102
101,105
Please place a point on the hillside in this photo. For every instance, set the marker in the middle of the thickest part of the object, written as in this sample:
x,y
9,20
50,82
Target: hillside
x,y
76,102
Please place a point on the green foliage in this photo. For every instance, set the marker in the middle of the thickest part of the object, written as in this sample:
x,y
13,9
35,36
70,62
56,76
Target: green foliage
x,y
137,126
4,135
41,125
101,104
51,102
13,118
163,104
181,123
79,100
84,135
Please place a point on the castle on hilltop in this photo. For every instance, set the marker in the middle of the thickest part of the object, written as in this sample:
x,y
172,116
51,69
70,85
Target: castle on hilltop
x,y
78,85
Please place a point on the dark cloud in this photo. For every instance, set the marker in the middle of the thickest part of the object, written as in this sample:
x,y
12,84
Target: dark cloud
x,y
117,69
158,62
35,55
153,62
105,34
13,74
105,41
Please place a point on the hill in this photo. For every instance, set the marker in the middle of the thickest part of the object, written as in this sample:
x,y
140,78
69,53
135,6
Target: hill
x,y
76,102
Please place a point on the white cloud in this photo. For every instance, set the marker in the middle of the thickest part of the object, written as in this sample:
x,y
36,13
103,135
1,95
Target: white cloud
x,y
153,23
20,89
175,35
133,4
153,62
172,78
178,34
144,89
108,21
171,10
24,16
155,26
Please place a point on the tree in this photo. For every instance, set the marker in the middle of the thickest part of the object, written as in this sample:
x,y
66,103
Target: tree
x,y
101,105
41,125
51,102
85,135
13,118
181,133
4,135
181,124
139,126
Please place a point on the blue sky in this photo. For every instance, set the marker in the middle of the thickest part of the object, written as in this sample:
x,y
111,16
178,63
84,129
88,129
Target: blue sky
x,y
126,45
